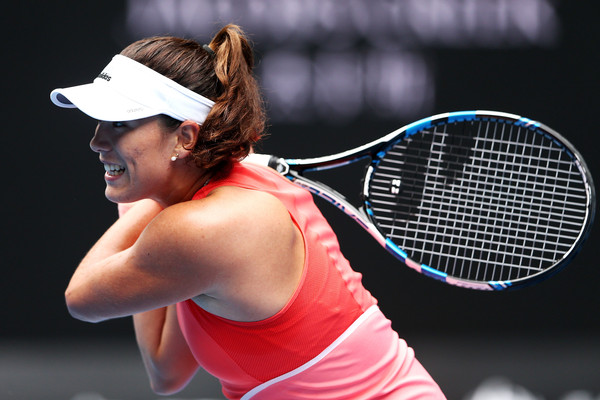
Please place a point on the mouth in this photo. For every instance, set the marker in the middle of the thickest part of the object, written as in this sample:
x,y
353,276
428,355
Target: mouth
x,y
114,169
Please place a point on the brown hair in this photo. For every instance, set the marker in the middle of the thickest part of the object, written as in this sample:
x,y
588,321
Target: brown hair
x,y
236,121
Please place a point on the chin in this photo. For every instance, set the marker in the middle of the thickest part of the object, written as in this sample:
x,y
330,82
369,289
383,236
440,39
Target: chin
x,y
119,198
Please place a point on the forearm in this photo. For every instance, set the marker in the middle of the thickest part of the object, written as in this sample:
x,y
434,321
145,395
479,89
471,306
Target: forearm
x,y
122,234
84,293
166,355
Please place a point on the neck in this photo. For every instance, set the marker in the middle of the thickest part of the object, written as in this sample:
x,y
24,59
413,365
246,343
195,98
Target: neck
x,y
186,188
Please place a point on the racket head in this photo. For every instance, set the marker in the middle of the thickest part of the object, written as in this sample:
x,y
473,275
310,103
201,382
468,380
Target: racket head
x,y
480,199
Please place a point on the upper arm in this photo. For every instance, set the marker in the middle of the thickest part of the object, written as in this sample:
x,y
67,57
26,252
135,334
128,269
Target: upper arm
x,y
220,246
170,262
157,270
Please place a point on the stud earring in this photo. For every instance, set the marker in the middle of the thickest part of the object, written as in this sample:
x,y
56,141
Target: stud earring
x,y
174,158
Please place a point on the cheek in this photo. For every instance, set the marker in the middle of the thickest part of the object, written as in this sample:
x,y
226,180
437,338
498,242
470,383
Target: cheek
x,y
151,163
138,153
148,156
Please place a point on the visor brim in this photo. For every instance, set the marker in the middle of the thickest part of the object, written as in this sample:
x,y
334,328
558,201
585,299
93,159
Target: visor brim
x,y
100,102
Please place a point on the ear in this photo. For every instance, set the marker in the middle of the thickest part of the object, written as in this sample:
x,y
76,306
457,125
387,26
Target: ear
x,y
187,136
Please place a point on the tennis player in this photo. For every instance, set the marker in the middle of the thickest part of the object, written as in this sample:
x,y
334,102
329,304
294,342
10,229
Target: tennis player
x,y
223,265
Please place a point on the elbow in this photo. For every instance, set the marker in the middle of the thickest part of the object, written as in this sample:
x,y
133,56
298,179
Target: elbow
x,y
170,381
163,390
167,387
79,308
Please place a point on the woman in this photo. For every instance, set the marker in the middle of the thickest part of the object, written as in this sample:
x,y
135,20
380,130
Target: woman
x,y
223,264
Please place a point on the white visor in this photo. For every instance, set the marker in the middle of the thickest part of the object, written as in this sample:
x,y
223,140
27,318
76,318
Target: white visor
x,y
127,90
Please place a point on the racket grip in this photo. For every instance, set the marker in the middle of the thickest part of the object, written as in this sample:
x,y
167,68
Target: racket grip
x,y
267,160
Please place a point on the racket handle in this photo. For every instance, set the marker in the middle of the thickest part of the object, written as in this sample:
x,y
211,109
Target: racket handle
x,y
267,160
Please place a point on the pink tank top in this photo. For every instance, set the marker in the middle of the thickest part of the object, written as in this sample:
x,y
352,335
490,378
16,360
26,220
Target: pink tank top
x,y
324,326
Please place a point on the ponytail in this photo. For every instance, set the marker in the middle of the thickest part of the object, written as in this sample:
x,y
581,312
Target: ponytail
x,y
223,74
236,121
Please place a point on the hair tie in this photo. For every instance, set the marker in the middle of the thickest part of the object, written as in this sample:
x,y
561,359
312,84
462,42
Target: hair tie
x,y
210,51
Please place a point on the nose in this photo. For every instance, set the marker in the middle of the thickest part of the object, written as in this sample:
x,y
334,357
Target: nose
x,y
100,141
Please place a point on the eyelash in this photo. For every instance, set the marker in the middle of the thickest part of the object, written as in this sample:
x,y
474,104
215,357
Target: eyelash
x,y
118,124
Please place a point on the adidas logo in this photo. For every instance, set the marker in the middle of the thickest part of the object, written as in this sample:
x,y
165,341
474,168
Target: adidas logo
x,y
104,76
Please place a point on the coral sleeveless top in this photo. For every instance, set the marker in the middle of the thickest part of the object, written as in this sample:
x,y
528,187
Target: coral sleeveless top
x,y
330,341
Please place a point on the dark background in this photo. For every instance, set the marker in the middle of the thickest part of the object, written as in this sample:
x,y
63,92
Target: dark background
x,y
54,206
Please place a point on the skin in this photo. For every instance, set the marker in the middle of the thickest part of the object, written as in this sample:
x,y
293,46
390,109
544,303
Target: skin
x,y
166,249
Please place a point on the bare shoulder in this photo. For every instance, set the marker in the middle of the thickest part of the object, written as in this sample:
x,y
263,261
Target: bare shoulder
x,y
231,211
227,216
241,242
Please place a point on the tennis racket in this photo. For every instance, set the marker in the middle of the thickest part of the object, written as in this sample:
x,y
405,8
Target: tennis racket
x,y
479,199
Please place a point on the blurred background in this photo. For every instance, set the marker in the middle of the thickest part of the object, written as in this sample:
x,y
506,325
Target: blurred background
x,y
335,74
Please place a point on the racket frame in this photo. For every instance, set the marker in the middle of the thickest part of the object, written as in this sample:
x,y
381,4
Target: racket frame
x,y
293,169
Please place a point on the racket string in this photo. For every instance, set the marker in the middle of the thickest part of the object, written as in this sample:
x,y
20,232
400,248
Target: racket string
x,y
504,205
